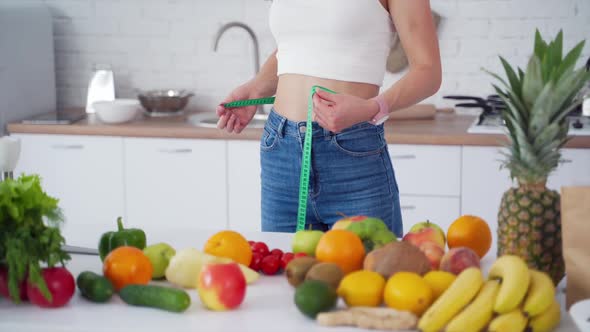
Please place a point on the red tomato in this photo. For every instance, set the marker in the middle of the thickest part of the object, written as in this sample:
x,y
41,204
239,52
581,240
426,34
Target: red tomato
x,y
251,243
286,258
270,265
4,285
300,254
61,285
256,260
260,247
276,252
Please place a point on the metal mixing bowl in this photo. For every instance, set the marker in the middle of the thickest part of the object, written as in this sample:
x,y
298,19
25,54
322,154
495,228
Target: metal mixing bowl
x,y
164,102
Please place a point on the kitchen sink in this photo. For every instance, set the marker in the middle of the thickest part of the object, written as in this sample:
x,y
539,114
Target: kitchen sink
x,y
209,120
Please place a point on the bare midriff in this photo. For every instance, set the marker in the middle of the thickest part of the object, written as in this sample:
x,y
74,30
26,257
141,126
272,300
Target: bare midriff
x,y
293,90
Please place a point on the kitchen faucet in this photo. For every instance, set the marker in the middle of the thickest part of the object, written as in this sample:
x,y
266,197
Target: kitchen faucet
x,y
256,48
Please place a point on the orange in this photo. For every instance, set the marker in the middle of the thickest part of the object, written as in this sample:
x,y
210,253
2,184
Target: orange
x,y
342,247
126,266
229,244
407,291
471,232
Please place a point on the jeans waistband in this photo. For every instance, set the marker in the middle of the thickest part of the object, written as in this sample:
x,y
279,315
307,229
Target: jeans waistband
x,y
287,127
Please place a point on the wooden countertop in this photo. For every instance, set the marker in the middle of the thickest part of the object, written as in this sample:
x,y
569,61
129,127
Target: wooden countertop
x,y
444,129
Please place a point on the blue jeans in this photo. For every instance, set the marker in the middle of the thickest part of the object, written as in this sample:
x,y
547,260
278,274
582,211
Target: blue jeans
x,y
351,174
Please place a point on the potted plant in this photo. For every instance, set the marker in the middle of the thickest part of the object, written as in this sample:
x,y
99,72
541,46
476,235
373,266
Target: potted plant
x,y
538,101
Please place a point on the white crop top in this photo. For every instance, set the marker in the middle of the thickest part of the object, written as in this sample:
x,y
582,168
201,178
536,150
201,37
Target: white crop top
x,y
347,40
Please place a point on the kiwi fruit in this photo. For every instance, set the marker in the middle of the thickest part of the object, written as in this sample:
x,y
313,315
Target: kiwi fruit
x,y
329,273
297,269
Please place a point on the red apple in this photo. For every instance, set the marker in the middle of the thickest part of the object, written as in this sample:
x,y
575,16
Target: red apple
x,y
458,259
345,222
433,252
221,286
425,234
440,238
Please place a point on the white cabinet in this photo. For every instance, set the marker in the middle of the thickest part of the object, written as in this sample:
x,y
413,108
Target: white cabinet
x,y
574,169
85,173
177,184
429,181
483,183
199,184
243,173
427,169
439,210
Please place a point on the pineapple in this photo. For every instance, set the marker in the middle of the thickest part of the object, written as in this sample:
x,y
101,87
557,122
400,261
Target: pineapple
x,y
538,100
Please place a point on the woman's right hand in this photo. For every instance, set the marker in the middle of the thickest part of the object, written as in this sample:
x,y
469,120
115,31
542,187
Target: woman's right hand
x,y
236,119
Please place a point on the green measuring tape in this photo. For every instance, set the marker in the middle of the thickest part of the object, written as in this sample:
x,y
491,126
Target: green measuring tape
x,y
306,157
250,102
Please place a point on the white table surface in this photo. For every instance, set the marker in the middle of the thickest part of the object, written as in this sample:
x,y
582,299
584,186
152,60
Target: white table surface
x,y
268,305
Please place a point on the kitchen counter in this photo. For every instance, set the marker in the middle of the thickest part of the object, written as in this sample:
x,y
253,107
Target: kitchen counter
x,y
268,305
444,129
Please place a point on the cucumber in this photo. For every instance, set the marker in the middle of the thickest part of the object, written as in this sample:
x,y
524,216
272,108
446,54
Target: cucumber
x,y
94,287
160,297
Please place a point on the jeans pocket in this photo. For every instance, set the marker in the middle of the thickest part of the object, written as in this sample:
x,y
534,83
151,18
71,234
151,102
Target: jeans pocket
x,y
269,139
360,142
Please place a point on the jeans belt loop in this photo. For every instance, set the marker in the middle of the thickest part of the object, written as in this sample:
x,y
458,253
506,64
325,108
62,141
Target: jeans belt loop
x,y
281,128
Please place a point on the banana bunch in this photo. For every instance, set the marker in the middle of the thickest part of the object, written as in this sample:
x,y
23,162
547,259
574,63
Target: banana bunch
x,y
512,298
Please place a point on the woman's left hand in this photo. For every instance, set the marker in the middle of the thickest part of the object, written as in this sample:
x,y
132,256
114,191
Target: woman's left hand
x,y
336,112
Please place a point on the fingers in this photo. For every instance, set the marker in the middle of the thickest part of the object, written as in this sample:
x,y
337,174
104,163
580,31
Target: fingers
x,y
318,102
222,122
319,118
238,129
323,114
220,110
327,96
321,107
231,123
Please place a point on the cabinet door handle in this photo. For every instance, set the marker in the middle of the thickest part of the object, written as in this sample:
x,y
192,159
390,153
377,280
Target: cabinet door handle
x,y
404,156
175,150
565,161
68,146
408,207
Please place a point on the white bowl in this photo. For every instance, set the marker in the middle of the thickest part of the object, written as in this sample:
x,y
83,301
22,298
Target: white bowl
x,y
580,312
116,111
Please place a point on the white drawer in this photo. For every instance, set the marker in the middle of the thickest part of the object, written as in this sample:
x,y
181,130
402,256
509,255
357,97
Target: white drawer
x,y
175,183
439,210
427,169
85,173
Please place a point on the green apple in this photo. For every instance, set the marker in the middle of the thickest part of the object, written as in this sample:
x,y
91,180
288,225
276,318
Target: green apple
x,y
381,238
306,241
373,232
159,255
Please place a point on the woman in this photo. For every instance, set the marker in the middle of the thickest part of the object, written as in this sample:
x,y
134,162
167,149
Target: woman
x,y
341,45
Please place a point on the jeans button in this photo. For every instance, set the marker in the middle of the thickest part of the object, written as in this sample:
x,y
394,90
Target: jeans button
x,y
302,129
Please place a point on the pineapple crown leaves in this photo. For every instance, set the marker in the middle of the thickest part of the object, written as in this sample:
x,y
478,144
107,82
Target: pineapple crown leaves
x,y
538,101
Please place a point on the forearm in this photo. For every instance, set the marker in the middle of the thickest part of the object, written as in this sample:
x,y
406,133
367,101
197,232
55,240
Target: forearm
x,y
418,84
265,82
417,33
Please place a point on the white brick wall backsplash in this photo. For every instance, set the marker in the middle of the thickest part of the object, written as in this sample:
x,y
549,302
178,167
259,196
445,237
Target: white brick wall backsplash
x,y
169,43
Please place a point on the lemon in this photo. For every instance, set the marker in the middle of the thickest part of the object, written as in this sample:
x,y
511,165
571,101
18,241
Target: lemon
x,y
439,281
362,288
409,292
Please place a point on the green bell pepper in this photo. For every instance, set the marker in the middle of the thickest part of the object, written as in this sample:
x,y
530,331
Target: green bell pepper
x,y
133,237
